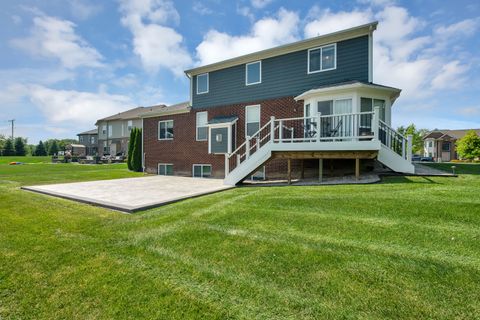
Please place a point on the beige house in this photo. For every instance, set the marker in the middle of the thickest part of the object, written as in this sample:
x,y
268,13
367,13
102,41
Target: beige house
x,y
114,131
440,144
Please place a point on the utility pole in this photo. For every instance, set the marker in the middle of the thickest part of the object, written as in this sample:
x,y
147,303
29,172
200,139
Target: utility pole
x,y
12,121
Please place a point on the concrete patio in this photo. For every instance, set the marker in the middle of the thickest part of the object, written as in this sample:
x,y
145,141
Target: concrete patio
x,y
133,194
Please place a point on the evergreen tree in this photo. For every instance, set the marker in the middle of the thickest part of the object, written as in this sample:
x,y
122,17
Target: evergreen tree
x,y
8,149
131,143
40,149
137,152
468,147
53,149
20,147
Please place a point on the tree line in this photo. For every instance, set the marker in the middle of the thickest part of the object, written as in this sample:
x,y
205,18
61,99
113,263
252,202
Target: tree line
x,y
20,147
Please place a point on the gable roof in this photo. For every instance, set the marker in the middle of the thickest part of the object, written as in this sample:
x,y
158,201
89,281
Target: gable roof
x,y
355,32
163,110
449,134
90,132
130,114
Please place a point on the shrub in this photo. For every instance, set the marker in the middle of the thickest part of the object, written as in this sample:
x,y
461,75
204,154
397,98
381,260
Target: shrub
x,y
131,143
137,152
468,147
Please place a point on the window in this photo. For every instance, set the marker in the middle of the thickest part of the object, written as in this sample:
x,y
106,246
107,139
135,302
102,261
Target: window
x,y
80,138
202,129
110,129
252,120
104,129
253,73
129,125
105,148
165,169
92,140
430,144
165,130
368,105
202,83
202,170
446,146
322,59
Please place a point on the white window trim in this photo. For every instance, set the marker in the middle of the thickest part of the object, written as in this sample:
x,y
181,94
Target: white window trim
x,y
164,139
196,126
246,73
208,82
259,120
321,51
163,164
202,165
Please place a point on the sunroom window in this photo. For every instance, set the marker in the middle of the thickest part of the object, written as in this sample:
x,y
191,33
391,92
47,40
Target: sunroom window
x,y
322,59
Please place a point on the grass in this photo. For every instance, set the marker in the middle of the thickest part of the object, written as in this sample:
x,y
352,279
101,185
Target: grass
x,y
406,248
25,159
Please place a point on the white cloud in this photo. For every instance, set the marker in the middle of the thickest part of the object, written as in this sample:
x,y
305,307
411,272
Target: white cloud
x,y
201,9
76,107
83,10
157,45
470,111
327,21
56,38
259,4
265,33
450,76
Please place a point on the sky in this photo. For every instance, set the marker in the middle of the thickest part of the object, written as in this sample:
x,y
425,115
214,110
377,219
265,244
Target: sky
x,y
66,63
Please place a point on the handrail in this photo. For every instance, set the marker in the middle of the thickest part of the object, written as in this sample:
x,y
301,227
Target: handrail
x,y
327,116
398,133
253,135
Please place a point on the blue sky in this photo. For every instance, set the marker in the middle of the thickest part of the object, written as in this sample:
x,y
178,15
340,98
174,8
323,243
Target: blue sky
x,y
66,63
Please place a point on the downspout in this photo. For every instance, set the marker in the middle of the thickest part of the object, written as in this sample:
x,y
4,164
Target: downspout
x,y
143,153
370,55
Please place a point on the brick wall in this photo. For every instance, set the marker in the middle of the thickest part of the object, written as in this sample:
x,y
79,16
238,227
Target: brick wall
x,y
184,151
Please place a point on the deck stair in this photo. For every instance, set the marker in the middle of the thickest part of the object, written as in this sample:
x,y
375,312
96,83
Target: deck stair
x,y
351,132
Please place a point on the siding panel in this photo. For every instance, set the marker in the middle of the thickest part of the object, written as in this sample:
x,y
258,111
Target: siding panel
x,y
284,75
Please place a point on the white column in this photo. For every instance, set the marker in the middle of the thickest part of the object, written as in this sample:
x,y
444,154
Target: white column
x,y
272,129
227,170
280,131
409,147
247,147
319,126
375,122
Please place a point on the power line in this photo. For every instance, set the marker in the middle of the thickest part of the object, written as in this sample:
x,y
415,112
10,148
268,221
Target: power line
x,y
12,121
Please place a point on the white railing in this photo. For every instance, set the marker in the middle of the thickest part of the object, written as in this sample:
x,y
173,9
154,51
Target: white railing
x,y
327,128
394,140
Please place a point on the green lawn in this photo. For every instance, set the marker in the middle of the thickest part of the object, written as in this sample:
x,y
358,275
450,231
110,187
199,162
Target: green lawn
x,y
406,248
27,159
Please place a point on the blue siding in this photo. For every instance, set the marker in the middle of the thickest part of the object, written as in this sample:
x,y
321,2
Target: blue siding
x,y
283,76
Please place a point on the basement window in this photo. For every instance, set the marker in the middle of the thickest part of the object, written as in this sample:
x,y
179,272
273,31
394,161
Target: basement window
x,y
165,169
202,170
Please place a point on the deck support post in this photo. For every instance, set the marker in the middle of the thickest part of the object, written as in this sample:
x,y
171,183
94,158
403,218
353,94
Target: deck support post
x,y
289,170
320,170
302,175
227,160
357,169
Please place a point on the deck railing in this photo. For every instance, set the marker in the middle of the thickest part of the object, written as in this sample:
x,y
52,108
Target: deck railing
x,y
362,126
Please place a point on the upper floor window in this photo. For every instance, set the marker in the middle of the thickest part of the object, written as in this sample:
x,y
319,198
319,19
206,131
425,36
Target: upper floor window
x,y
104,129
202,83
165,130
445,146
129,125
253,73
322,59
92,140
252,120
80,138
202,129
110,129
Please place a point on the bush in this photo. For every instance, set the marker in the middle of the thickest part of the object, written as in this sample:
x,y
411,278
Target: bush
x,y
468,147
137,152
131,143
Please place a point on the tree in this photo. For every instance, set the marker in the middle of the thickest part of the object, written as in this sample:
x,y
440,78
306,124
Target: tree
x,y
137,152
468,147
417,135
40,149
2,142
8,149
53,149
20,147
131,143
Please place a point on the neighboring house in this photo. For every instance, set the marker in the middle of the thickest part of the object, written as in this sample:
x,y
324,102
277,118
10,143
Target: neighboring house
x,y
90,140
284,108
440,144
114,131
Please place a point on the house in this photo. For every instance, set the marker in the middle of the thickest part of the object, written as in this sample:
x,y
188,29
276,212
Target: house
x,y
114,131
280,110
440,144
90,140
